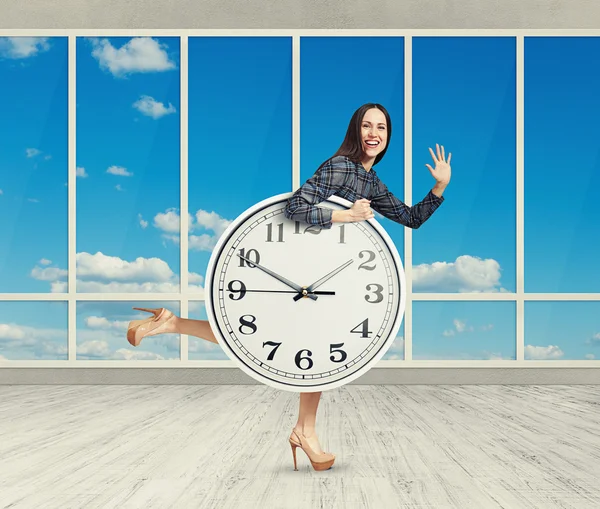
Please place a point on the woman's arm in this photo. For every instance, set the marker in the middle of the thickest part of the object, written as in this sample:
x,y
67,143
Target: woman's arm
x,y
327,180
391,207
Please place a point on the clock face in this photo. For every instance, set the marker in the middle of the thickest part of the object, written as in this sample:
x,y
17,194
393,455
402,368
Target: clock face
x,y
304,344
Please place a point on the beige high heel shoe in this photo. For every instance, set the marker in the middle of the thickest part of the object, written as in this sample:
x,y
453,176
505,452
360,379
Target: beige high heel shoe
x,y
139,329
318,461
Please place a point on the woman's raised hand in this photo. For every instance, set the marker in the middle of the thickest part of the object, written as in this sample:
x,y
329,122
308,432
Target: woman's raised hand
x,y
442,171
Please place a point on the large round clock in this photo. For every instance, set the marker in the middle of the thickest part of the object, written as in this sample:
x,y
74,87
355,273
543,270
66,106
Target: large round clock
x,y
300,307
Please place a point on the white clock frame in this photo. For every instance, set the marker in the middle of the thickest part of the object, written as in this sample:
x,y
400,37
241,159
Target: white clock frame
x,y
261,370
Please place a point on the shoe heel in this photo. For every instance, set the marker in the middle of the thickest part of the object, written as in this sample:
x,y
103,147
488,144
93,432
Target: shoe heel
x,y
294,446
150,310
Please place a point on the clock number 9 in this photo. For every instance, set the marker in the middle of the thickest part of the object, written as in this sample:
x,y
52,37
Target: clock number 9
x,y
378,292
248,324
241,291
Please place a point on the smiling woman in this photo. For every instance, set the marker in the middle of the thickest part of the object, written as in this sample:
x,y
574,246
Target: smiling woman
x,y
348,174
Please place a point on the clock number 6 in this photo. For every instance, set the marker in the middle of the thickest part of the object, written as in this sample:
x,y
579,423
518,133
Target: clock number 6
x,y
378,292
299,359
248,324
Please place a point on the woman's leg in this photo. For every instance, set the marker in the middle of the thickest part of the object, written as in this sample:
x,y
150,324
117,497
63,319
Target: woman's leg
x,y
198,328
307,416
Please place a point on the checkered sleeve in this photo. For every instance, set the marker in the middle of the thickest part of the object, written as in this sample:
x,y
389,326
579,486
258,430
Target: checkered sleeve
x,y
302,205
384,202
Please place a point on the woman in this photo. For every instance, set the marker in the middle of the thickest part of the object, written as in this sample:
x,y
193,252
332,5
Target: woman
x,y
349,174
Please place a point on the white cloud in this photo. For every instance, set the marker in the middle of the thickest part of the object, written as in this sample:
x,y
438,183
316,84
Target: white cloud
x,y
44,261
396,350
22,47
140,54
466,274
461,326
204,242
193,277
1,191
33,200
119,170
543,352
100,273
153,108
11,332
143,224
118,187
590,356
48,274
101,322
136,355
168,221
32,152
96,349
596,338
47,158
212,221
208,221
43,343
80,172
101,266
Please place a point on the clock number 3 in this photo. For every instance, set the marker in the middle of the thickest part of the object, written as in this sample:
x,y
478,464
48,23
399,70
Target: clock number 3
x,y
378,291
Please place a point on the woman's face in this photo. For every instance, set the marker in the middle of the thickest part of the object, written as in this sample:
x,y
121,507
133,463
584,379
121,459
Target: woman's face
x,y
373,133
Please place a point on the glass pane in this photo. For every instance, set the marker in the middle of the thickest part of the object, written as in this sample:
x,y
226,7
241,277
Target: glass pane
x,y
464,98
396,351
562,164
33,331
329,96
562,330
128,164
464,330
33,164
102,332
240,134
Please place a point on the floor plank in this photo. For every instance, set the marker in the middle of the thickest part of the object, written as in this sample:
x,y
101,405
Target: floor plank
x,y
226,447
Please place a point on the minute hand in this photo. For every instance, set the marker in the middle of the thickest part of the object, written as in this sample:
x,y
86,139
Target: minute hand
x,y
319,282
296,287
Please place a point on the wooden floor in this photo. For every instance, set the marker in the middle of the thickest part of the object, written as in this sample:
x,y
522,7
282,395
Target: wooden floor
x,y
226,447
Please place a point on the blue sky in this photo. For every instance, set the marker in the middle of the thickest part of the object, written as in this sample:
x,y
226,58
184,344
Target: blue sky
x,y
240,152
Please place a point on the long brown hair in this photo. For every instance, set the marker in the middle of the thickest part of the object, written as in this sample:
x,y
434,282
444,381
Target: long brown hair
x,y
352,147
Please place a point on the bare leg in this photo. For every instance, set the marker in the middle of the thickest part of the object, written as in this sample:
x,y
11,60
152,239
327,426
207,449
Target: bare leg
x,y
309,402
198,328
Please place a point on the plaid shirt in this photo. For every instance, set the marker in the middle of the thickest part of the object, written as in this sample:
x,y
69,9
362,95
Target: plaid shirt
x,y
343,177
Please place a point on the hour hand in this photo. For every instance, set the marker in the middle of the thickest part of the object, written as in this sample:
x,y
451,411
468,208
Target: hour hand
x,y
327,277
296,287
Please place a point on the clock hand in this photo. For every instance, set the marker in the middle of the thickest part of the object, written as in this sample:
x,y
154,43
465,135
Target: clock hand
x,y
278,291
296,287
323,279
